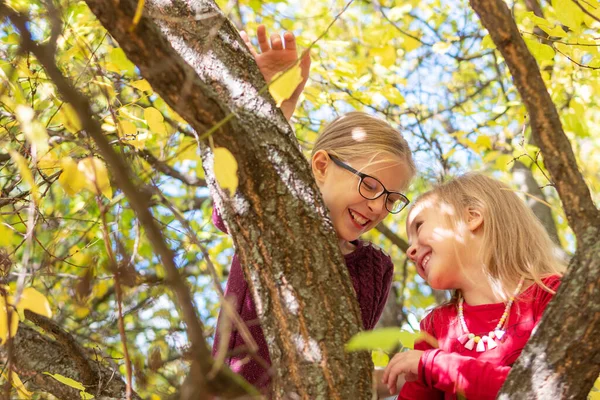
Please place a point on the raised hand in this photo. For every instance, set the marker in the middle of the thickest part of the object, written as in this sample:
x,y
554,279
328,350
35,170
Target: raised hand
x,y
276,57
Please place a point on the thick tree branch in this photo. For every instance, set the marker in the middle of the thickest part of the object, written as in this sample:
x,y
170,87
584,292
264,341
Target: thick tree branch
x,y
556,363
34,354
545,122
277,216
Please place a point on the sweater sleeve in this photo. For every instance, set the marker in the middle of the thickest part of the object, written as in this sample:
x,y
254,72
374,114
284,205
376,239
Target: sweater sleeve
x,y
388,277
218,220
458,374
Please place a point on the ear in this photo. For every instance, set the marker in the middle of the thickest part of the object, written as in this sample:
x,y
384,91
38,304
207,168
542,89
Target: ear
x,y
474,219
320,163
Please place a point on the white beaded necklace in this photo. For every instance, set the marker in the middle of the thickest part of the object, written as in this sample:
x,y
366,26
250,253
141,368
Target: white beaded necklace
x,y
469,340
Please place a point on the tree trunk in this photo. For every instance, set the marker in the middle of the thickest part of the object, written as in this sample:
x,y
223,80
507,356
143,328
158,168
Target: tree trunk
x,y
285,242
557,362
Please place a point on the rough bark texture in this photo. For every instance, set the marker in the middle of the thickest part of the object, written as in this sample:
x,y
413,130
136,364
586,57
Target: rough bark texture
x,y
34,354
285,242
557,363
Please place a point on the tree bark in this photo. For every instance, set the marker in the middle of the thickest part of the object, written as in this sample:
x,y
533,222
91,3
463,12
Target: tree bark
x,y
557,362
35,354
283,237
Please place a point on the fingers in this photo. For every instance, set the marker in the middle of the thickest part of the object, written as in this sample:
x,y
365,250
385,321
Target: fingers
x,y
290,41
246,40
276,43
261,35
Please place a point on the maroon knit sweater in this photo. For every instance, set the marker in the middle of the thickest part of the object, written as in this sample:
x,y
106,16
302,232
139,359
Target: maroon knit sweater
x,y
371,272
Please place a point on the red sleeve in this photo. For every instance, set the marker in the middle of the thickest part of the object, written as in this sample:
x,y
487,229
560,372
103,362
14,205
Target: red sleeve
x,y
543,297
417,390
458,374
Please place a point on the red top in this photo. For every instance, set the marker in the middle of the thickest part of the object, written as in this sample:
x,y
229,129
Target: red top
x,y
452,369
371,271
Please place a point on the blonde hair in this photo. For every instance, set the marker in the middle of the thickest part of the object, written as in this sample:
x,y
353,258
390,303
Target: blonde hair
x,y
515,242
358,134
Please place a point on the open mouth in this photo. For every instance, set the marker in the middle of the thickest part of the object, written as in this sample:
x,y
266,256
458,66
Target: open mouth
x,y
425,261
358,218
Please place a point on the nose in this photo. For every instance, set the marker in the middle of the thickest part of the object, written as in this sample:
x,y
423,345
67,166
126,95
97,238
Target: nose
x,y
411,252
377,205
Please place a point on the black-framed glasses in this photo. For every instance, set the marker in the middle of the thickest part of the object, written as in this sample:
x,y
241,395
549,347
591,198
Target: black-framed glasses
x,y
371,188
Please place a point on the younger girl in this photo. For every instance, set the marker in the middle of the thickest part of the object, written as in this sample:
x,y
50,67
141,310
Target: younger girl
x,y
475,236
361,165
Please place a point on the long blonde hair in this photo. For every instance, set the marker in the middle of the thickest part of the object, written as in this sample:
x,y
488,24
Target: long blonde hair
x,y
358,134
515,242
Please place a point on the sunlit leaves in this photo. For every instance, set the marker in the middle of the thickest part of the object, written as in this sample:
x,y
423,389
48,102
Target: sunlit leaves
x,y
26,173
71,179
18,385
69,118
96,176
72,383
541,52
34,131
386,339
155,120
284,84
30,299
568,13
225,169
90,173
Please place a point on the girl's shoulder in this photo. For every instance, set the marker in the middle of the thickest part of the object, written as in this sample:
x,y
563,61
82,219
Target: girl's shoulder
x,y
441,315
367,251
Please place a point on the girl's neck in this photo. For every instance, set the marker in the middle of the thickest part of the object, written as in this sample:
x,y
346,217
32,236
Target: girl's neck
x,y
346,247
478,291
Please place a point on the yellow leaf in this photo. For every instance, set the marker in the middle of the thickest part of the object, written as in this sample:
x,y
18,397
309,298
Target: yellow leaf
x,y
85,395
14,320
81,312
34,131
18,384
142,85
48,164
225,169
441,47
26,174
69,118
71,179
284,84
155,120
34,301
484,141
96,176
66,381
6,235
410,44
380,359
126,128
386,55
569,14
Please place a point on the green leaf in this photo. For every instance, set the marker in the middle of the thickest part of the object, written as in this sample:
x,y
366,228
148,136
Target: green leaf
x,y
386,339
380,359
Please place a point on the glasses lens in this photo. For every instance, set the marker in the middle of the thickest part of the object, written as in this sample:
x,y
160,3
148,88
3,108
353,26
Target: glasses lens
x,y
370,188
395,202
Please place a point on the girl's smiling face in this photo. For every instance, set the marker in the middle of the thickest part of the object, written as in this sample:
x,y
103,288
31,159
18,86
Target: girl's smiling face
x,y
446,256
351,213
